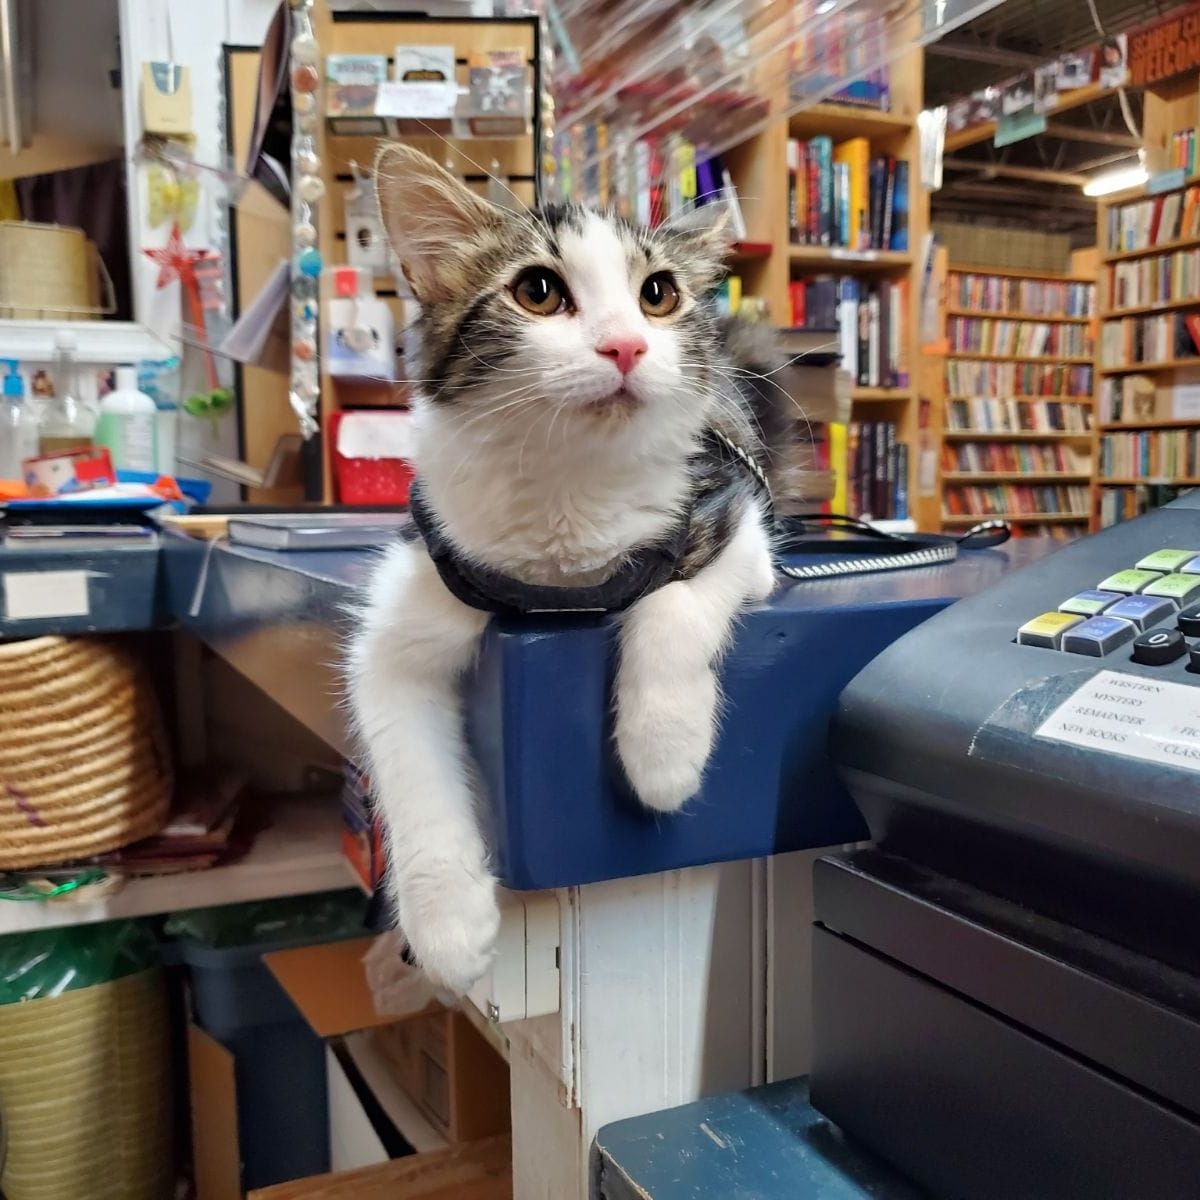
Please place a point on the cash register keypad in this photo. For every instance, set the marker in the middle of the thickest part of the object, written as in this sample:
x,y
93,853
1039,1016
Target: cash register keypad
x,y
1150,607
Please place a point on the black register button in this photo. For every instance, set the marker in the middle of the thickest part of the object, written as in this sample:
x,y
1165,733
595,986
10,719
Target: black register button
x,y
1158,647
1189,621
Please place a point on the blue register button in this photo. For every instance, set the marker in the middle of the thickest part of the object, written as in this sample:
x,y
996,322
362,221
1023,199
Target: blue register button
x,y
1143,611
1099,636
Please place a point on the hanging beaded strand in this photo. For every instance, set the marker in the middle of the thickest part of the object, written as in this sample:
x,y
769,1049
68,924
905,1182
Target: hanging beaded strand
x,y
307,189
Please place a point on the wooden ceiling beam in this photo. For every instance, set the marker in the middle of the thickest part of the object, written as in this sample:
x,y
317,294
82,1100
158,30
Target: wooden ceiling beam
x,y
992,170
1097,137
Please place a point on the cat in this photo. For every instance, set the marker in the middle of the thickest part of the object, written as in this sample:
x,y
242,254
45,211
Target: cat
x,y
575,402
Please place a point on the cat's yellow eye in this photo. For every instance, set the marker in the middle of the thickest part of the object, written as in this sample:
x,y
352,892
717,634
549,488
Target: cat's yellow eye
x,y
538,290
659,296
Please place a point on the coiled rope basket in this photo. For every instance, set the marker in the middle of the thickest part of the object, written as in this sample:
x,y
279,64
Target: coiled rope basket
x,y
84,766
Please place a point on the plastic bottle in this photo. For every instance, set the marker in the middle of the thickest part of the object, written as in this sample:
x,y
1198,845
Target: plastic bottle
x,y
18,425
67,423
127,425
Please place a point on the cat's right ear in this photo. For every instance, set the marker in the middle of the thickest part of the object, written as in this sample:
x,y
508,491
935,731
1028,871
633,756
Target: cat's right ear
x,y
431,220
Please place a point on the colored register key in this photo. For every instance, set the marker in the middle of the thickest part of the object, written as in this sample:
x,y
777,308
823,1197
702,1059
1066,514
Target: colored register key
x,y
1130,581
1183,589
1047,630
1167,560
1098,636
1143,611
1089,604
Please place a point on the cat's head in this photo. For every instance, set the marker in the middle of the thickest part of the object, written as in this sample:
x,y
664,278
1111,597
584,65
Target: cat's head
x,y
535,315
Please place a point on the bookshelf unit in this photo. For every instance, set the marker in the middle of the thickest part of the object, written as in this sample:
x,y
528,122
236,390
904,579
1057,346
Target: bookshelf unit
x,y
890,274
1147,433
1015,397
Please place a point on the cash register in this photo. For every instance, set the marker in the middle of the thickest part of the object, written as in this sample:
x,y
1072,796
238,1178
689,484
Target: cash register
x,y
1007,982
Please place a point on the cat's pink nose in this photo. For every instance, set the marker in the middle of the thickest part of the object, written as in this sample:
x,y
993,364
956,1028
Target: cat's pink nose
x,y
624,349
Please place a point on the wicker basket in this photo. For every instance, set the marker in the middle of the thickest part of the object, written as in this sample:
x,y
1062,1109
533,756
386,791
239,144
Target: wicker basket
x,y
84,767
83,1082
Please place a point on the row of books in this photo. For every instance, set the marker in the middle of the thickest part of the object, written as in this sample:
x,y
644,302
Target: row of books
x,y
985,335
1165,337
1183,150
1032,297
1031,458
831,47
965,378
1155,280
877,471
1018,498
991,414
1137,397
1057,533
842,196
871,320
1125,503
1152,454
1154,221
873,332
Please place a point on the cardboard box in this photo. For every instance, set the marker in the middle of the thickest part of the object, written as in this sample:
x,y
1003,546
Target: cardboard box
x,y
450,1072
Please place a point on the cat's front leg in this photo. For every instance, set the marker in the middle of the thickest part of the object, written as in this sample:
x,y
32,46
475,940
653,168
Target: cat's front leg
x,y
405,664
671,642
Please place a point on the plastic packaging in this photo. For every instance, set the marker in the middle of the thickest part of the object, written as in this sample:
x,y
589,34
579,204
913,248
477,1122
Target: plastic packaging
x,y
49,962
18,425
127,425
297,919
67,423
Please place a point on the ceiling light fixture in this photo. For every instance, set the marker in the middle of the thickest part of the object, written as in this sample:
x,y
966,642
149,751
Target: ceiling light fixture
x,y
1116,181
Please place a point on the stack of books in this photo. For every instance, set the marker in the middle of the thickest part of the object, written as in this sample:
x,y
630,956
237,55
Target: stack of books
x,y
1041,339
877,471
1125,503
1156,279
1030,297
842,196
1154,221
1158,455
991,415
1166,337
1029,458
1017,499
966,378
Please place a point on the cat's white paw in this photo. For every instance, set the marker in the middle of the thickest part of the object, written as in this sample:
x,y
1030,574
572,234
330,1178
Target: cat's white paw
x,y
450,916
664,737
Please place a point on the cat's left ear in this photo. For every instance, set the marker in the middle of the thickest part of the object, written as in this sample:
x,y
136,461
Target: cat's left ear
x,y
432,220
708,225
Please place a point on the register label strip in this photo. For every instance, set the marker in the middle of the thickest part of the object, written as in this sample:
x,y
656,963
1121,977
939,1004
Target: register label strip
x,y
1131,715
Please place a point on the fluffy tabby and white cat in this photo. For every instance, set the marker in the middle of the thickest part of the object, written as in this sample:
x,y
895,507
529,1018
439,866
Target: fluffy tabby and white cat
x,y
572,375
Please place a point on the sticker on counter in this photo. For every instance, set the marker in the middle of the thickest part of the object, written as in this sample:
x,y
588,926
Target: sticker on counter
x,y
1131,715
37,595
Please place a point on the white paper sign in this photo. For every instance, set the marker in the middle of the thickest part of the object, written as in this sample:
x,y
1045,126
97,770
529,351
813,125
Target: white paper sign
x,y
397,98
35,595
1134,716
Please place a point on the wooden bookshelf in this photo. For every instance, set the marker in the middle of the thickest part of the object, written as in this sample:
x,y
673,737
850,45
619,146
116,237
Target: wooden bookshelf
x,y
1167,108
995,315
1053,518
892,132
1049,360
960,302
1015,435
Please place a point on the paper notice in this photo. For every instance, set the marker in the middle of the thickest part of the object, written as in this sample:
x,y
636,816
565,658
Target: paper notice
x,y
1134,716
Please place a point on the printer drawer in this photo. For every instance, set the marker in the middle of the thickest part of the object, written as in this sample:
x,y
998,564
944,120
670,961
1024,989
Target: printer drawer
x,y
972,1106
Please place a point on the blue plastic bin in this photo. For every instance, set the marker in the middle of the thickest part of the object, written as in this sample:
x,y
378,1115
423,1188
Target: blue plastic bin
x,y
279,1063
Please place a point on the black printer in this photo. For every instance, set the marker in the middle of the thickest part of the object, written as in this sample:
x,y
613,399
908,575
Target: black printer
x,y
1007,984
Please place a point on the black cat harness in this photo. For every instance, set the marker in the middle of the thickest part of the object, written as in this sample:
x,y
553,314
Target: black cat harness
x,y
641,572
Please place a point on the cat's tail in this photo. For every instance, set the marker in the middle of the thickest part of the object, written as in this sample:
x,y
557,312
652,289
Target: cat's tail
x,y
774,386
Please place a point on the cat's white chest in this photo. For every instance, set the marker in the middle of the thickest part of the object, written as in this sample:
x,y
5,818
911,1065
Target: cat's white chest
x,y
569,519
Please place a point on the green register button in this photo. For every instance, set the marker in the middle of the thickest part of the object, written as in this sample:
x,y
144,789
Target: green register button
x,y
1167,560
1180,588
1129,581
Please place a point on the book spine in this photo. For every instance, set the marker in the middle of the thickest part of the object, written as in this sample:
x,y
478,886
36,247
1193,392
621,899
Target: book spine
x,y
889,201
899,237
793,168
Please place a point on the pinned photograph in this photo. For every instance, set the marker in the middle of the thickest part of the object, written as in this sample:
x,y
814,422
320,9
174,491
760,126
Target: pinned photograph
x,y
1045,87
1114,61
985,106
958,116
1018,94
1075,70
